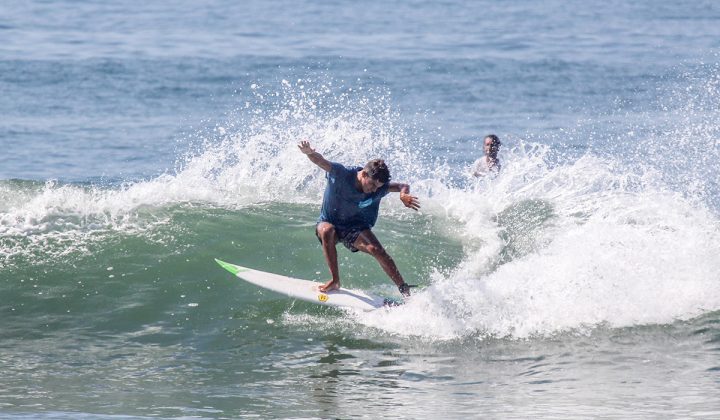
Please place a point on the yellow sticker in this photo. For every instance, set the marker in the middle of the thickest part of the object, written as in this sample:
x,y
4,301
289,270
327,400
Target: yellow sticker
x,y
322,297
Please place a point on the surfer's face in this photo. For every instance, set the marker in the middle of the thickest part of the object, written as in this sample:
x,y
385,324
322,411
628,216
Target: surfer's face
x,y
490,149
368,184
488,145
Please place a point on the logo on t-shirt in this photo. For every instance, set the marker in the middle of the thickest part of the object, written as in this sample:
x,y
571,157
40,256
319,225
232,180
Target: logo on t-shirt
x,y
365,203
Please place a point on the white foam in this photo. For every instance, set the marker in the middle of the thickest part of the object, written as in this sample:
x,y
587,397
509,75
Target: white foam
x,y
618,250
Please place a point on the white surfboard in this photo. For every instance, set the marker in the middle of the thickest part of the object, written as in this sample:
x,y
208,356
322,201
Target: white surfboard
x,y
308,290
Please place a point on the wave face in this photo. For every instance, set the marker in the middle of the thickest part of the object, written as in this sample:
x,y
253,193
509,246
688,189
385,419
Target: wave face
x,y
557,242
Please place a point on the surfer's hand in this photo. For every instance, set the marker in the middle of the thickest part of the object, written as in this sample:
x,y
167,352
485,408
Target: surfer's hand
x,y
410,201
304,147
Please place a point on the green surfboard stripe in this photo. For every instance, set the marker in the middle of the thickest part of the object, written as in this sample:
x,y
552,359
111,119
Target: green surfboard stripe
x,y
231,267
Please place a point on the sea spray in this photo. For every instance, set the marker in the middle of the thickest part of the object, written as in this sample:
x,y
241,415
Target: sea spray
x,y
550,245
603,244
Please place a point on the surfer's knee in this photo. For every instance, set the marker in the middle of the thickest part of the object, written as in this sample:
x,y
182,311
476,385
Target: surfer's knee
x,y
326,233
376,250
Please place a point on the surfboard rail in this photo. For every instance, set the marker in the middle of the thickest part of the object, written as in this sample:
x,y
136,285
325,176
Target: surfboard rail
x,y
308,290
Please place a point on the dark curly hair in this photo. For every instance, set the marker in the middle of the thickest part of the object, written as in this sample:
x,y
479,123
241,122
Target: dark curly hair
x,y
377,170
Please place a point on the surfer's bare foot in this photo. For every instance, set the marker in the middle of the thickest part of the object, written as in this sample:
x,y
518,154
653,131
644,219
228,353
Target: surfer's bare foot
x,y
329,286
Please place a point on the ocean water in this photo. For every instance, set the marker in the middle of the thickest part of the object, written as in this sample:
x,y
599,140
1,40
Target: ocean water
x,y
141,140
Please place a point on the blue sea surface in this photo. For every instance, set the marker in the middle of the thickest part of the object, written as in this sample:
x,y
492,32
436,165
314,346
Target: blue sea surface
x,y
141,140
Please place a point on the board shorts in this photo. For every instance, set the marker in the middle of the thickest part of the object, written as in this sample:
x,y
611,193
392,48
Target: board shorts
x,y
347,236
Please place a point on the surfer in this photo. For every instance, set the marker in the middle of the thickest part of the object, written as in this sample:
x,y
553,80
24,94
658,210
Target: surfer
x,y
349,210
490,163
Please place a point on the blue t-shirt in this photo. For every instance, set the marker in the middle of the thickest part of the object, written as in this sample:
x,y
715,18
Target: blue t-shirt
x,y
346,207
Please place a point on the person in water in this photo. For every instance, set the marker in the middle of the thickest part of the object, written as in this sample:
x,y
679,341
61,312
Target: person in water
x,y
490,163
349,211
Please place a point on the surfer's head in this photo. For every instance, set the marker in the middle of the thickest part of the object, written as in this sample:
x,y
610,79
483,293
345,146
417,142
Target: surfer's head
x,y
491,145
374,175
377,170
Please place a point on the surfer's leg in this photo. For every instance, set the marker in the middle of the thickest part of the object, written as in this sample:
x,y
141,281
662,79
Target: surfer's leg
x,y
368,242
328,238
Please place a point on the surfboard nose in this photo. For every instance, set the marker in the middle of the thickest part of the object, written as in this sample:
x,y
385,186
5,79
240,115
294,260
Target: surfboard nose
x,y
231,267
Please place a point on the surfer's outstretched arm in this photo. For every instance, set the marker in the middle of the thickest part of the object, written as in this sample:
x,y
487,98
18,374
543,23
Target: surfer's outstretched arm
x,y
408,200
314,156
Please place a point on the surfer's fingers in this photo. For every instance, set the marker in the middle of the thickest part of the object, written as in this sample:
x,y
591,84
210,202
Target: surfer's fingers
x,y
409,201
